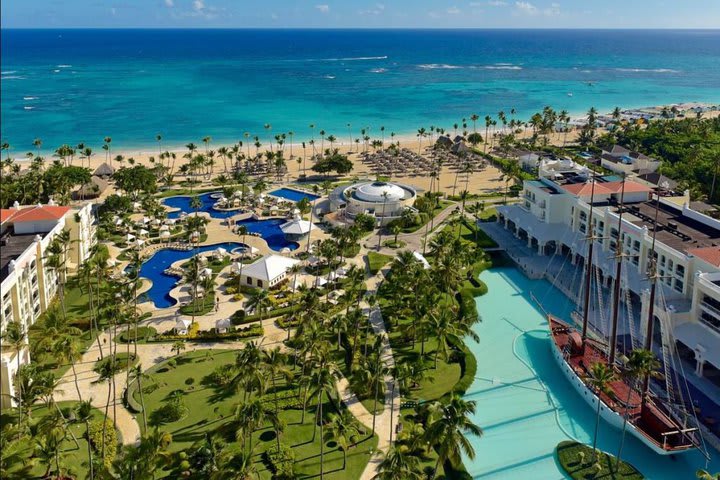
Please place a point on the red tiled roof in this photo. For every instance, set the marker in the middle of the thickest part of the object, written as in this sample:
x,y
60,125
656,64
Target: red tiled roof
x,y
6,214
630,187
710,254
40,213
585,189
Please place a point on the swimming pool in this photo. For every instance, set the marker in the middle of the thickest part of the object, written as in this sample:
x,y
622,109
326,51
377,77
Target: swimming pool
x,y
292,194
183,203
269,230
154,267
524,405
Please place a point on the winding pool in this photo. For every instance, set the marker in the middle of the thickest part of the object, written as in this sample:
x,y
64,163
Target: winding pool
x,y
154,267
183,203
524,405
292,194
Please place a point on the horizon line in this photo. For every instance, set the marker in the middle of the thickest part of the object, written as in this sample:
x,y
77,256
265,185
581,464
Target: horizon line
x,y
366,28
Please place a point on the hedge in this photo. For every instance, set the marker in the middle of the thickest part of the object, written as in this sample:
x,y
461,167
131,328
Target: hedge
x,y
210,335
95,436
130,402
239,317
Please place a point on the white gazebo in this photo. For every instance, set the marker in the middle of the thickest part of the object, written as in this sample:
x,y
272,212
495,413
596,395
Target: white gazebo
x,y
223,325
268,271
297,228
182,325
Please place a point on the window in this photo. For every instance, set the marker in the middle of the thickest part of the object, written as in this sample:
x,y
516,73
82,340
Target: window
x,y
259,283
679,285
249,281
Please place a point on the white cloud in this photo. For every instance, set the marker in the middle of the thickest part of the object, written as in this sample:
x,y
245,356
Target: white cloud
x,y
323,8
198,5
376,10
494,3
113,11
274,16
453,10
169,3
526,8
553,10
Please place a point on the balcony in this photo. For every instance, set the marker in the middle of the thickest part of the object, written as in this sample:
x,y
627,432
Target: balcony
x,y
710,309
542,204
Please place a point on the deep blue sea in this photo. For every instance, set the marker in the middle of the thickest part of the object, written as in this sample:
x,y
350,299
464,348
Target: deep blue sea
x,y
68,86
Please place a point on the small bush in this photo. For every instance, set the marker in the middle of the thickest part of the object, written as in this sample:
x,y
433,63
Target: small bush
x,y
281,461
189,381
221,376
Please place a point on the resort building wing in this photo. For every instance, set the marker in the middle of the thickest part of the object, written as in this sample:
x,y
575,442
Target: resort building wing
x,y
548,230
267,272
28,285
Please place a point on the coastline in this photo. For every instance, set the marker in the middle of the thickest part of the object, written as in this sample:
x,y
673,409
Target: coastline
x,y
407,136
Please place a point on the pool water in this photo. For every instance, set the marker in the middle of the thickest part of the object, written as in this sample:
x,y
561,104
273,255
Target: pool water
x,y
269,230
524,405
153,269
292,194
183,203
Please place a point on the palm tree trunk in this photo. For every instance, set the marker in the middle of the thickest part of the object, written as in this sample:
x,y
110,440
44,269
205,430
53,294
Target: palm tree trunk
x,y
77,387
377,388
597,427
89,451
625,421
104,429
322,440
142,398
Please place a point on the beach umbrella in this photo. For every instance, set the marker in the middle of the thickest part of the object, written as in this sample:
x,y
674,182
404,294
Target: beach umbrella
x,y
164,228
165,234
130,237
143,232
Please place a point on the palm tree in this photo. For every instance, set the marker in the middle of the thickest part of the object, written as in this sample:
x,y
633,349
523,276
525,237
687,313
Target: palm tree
x,y
323,382
641,363
258,301
275,364
399,464
252,415
83,413
138,375
600,378
178,347
69,350
342,429
447,428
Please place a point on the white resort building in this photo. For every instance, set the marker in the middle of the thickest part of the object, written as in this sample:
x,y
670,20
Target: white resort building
x,y
550,225
28,285
385,201
267,272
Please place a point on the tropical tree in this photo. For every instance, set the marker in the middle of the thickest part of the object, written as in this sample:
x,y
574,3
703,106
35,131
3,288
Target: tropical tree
x,y
641,363
448,425
601,375
399,464
83,413
342,429
323,382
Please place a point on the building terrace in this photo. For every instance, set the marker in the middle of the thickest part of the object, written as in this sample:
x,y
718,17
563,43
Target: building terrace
x,y
12,246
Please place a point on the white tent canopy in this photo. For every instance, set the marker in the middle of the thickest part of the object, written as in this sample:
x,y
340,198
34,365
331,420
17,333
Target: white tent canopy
x,y
297,226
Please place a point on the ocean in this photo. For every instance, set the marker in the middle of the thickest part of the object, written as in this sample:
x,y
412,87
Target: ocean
x,y
71,86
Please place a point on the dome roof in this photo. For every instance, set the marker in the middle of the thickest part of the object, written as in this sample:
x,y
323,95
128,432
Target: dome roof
x,y
373,192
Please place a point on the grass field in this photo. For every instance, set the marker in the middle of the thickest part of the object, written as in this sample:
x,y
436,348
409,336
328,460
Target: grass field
x,y
576,459
211,410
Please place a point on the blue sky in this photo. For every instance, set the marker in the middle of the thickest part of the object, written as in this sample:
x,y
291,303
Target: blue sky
x,y
365,14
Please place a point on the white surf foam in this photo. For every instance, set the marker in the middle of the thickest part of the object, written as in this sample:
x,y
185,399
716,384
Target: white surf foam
x,y
378,70
647,70
28,108
30,98
12,77
63,66
438,66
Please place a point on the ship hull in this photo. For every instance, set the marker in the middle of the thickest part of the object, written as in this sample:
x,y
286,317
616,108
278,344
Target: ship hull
x,y
588,395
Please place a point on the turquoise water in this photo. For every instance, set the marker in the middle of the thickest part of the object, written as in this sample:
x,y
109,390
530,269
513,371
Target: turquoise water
x,y
182,202
71,86
525,406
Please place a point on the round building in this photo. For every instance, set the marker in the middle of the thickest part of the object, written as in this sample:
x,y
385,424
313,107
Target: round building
x,y
386,201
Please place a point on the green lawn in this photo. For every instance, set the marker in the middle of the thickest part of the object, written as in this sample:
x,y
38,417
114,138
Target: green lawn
x,y
473,234
201,306
376,261
123,361
569,456
211,410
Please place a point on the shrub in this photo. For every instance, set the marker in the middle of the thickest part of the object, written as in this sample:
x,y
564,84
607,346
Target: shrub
x,y
365,222
231,290
143,334
281,461
130,402
95,434
189,381
221,376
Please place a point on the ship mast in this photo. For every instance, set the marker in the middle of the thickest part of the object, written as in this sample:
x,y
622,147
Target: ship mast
x,y
616,286
653,277
589,263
